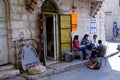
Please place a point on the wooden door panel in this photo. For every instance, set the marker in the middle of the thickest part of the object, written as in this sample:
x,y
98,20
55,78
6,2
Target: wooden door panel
x,y
65,34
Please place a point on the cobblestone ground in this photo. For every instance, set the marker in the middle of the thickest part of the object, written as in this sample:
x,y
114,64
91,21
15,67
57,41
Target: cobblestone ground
x,y
110,71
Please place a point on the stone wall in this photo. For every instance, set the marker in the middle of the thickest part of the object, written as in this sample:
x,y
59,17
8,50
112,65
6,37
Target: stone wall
x,y
83,18
112,14
100,17
24,24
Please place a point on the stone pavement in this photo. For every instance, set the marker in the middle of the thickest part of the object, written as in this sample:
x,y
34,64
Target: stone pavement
x,y
52,69
110,71
65,66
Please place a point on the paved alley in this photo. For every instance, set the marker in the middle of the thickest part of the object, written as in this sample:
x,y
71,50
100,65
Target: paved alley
x,y
110,71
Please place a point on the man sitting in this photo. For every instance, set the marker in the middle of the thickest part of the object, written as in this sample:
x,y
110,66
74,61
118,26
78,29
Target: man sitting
x,y
99,52
101,49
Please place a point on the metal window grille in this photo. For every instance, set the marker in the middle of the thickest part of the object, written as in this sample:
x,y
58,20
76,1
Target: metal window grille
x,y
93,27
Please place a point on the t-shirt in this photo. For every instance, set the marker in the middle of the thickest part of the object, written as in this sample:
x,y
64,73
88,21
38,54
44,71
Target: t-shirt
x,y
84,41
76,44
102,50
95,42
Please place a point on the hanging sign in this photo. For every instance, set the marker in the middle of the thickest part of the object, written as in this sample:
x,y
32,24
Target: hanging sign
x,y
74,20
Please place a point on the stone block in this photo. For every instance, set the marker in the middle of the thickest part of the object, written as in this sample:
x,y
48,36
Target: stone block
x,y
19,16
12,59
21,2
82,15
16,9
84,20
32,17
34,33
83,5
10,43
19,24
8,74
8,23
16,34
83,25
24,16
13,2
15,16
34,24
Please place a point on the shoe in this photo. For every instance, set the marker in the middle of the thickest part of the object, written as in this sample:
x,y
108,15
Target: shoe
x,y
94,68
90,67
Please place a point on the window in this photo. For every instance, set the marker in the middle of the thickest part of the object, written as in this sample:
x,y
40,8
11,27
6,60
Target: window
x,y
93,26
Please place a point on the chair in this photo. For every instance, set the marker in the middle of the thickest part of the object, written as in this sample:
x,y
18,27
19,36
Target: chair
x,y
101,60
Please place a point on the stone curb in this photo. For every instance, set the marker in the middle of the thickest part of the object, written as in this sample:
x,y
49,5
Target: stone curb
x,y
60,67
52,70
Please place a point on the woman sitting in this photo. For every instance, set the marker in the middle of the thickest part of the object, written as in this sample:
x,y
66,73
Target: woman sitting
x,y
86,42
77,46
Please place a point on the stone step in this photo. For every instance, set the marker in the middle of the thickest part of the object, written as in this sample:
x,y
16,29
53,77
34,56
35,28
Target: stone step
x,y
6,67
8,73
57,68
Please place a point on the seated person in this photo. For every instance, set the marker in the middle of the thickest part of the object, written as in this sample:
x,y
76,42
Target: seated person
x,y
94,64
93,44
94,40
99,52
101,49
86,42
77,46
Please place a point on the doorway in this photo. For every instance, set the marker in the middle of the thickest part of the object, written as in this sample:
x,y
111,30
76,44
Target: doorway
x,y
50,32
55,38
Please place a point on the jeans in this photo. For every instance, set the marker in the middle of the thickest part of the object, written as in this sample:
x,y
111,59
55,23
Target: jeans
x,y
83,49
94,54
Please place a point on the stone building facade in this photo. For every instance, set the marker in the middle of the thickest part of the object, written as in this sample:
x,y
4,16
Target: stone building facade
x,y
16,23
112,15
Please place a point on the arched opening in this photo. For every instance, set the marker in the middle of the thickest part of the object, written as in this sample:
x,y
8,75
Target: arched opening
x,y
3,32
49,30
48,6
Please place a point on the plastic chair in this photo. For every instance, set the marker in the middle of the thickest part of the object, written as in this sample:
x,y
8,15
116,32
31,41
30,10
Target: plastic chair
x,y
101,60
